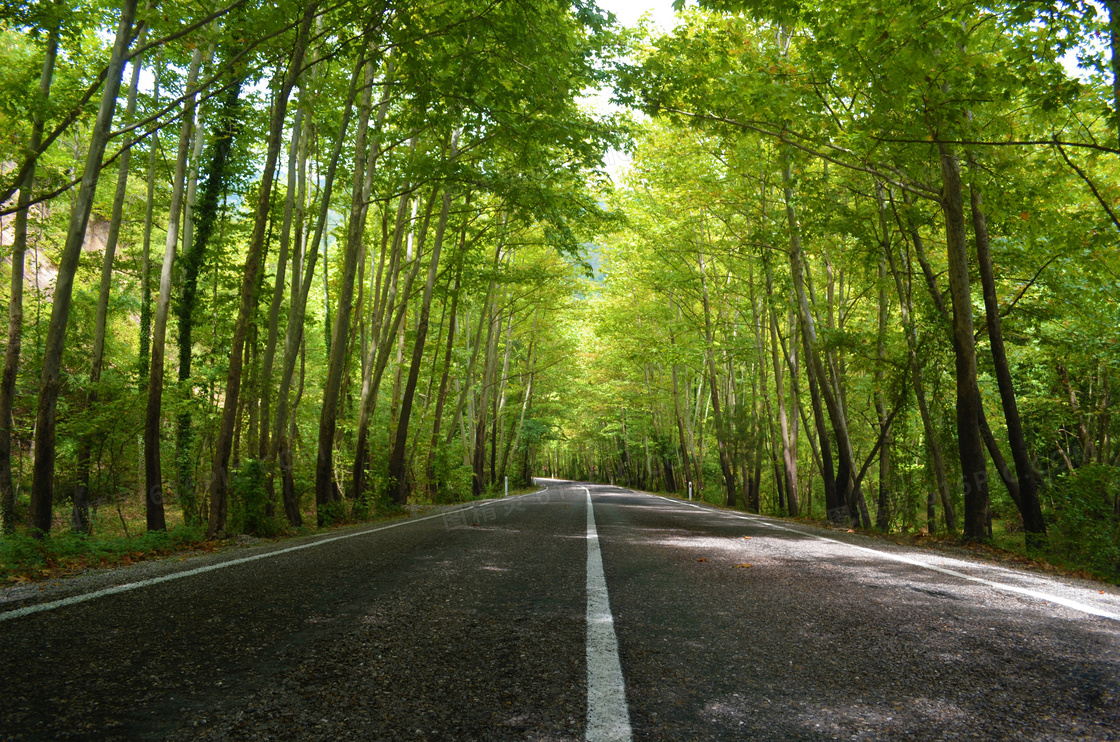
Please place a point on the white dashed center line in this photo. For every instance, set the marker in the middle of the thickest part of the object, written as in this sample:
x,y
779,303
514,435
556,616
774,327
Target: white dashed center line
x,y
608,717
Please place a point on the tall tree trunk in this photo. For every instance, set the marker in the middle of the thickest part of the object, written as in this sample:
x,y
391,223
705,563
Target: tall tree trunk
x,y
153,473
42,484
189,264
758,392
1028,502
145,255
325,487
512,444
291,498
278,285
397,476
721,431
933,441
499,440
388,324
297,310
465,387
990,442
205,217
441,396
815,368
789,443
883,511
493,319
686,456
219,478
15,298
282,436
80,515
971,449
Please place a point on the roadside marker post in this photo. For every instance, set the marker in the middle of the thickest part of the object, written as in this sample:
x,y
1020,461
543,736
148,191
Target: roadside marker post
x,y
690,491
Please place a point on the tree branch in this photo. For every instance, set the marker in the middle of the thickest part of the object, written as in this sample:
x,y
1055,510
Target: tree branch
x,y
1084,177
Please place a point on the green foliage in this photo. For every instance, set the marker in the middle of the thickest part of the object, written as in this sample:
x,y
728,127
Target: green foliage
x,y
1086,520
22,556
249,502
452,477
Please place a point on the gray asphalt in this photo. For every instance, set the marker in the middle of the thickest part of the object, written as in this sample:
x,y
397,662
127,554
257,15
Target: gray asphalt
x,y
472,625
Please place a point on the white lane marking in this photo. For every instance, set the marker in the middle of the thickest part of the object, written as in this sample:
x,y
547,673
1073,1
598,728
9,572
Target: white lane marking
x,y
75,599
1073,604
608,717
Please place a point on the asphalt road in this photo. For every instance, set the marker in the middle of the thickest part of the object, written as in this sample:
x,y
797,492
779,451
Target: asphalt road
x,y
531,619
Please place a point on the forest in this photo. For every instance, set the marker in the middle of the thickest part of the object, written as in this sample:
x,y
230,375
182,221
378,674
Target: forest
x,y
276,266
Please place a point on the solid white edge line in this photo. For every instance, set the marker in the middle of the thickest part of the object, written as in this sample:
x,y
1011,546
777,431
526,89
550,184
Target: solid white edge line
x,y
84,597
1072,604
608,716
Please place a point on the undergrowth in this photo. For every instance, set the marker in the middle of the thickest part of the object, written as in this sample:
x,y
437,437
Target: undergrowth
x,y
24,558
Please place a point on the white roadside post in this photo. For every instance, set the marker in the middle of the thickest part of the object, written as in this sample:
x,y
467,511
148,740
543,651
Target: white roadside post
x,y
690,491
507,486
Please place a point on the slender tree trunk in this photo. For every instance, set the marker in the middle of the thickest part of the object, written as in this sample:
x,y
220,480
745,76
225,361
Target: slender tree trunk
x,y
1083,437
526,397
389,322
145,256
188,268
441,397
758,392
80,515
195,245
789,443
278,285
1028,501
291,498
465,387
1104,423
721,431
500,439
282,436
42,485
219,478
325,487
15,299
488,370
153,474
297,310
817,374
933,442
970,446
883,511
397,476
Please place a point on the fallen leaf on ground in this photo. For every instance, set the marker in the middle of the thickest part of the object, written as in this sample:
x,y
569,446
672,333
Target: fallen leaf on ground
x,y
701,560
737,566
748,538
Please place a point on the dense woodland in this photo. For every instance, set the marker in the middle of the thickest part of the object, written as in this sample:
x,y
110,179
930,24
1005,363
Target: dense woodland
x,y
266,262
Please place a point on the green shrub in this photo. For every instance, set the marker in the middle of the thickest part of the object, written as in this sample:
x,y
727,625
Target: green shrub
x,y
21,554
18,549
1084,528
248,504
454,480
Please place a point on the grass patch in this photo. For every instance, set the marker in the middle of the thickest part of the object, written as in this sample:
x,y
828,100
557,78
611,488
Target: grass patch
x,y
24,559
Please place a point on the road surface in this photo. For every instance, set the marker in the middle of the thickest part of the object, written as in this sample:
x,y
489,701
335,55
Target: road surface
x,y
539,618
